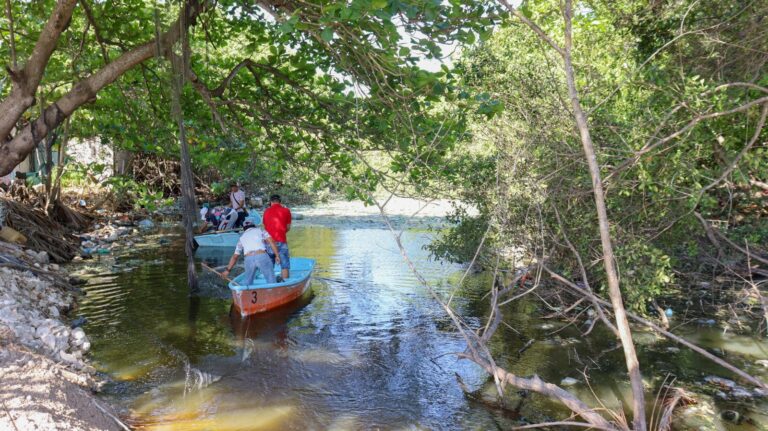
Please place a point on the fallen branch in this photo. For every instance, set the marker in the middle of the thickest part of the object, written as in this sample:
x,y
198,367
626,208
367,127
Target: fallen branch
x,y
535,384
657,328
728,241
475,346
558,424
759,184
111,416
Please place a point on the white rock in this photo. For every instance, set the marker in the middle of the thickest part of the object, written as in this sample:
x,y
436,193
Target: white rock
x,y
53,311
568,381
86,346
78,334
49,340
67,357
42,330
43,258
62,343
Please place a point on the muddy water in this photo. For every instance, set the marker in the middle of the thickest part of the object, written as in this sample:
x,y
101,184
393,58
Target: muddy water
x,y
367,349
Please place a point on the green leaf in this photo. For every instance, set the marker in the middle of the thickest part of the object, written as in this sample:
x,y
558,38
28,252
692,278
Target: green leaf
x,y
379,4
327,34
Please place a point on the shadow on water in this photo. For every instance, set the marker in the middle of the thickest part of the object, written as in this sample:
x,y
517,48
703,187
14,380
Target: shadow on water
x,y
269,326
366,349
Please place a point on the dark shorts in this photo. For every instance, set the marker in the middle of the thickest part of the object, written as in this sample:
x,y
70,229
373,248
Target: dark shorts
x,y
241,215
285,255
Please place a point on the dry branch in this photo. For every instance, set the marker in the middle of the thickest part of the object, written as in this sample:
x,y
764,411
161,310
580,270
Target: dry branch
x,y
42,232
657,328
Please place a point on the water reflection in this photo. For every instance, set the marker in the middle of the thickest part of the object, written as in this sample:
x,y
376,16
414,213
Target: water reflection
x,y
270,326
366,349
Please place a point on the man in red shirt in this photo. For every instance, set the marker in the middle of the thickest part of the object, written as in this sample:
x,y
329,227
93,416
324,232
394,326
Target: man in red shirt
x,y
277,222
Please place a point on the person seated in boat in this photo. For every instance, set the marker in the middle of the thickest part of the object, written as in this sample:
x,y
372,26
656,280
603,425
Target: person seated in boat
x,y
277,222
228,219
207,218
212,218
252,245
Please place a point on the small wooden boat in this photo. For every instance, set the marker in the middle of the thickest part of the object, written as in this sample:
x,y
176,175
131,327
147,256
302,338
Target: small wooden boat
x,y
261,296
227,238
218,239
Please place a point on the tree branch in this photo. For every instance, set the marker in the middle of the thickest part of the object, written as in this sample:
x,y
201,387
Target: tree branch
x,y
13,152
755,381
26,80
609,262
536,29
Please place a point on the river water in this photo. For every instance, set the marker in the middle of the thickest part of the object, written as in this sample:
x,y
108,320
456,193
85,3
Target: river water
x,y
368,349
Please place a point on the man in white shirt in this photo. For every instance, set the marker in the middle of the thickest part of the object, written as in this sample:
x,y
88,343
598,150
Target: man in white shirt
x,y
237,203
252,245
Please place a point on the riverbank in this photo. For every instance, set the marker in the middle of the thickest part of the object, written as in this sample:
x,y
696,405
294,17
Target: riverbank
x,y
47,383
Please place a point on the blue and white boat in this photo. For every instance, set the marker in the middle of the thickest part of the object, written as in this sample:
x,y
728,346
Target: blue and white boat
x,y
226,238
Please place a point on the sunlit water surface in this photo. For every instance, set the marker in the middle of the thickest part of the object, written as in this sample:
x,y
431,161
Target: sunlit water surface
x,y
368,349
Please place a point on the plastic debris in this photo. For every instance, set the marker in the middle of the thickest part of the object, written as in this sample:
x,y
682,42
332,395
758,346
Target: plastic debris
x,y
146,224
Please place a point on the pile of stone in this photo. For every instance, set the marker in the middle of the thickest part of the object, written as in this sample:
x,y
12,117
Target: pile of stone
x,y
31,310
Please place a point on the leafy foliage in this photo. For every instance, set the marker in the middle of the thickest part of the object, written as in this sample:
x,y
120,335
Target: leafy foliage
x,y
654,81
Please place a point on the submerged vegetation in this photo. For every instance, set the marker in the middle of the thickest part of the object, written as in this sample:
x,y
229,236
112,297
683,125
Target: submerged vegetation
x,y
612,152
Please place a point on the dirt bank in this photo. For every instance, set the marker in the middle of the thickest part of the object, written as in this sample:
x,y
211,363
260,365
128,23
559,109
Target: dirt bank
x,y
45,380
38,393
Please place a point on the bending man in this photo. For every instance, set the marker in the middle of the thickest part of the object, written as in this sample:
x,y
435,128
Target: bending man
x,y
252,245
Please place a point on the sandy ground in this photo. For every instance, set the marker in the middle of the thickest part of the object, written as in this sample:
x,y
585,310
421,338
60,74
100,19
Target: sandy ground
x,y
38,394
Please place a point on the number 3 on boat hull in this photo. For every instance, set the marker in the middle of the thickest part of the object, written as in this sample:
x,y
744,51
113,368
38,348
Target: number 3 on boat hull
x,y
261,296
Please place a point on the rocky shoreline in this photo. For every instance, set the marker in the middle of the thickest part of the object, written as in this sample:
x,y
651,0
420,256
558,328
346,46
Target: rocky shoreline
x,y
47,382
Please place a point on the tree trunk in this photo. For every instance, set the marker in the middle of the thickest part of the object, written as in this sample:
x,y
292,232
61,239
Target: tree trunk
x,y
14,151
614,291
26,80
178,78
122,161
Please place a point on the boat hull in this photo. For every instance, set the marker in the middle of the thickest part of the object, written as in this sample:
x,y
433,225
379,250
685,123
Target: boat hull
x,y
253,301
224,239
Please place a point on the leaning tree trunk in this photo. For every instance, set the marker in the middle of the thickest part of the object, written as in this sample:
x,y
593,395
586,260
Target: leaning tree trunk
x,y
178,77
614,291
26,80
14,150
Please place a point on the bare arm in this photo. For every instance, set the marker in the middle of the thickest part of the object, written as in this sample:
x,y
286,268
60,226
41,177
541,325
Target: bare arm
x,y
231,264
272,244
